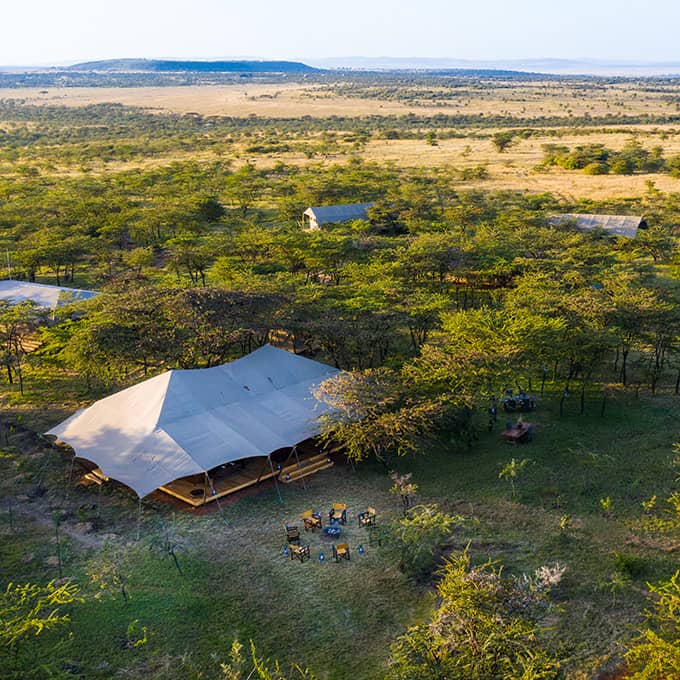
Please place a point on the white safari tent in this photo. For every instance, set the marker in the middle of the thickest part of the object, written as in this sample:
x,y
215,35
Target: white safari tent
x,y
200,434
42,294
619,225
314,218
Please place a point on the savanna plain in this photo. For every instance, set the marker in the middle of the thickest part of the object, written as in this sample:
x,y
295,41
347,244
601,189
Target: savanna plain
x,y
182,205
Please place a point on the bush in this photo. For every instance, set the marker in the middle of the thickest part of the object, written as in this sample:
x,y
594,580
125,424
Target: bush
x,y
596,168
629,565
419,536
485,627
655,653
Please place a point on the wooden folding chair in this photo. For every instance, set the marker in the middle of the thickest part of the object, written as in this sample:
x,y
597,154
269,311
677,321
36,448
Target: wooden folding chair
x,y
292,534
299,552
367,518
311,519
341,551
338,513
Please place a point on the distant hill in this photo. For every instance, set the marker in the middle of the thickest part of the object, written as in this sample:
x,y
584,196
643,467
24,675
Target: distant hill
x,y
546,65
164,66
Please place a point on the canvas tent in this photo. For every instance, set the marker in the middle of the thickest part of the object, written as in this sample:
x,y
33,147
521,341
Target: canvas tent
x,y
328,214
42,294
619,225
187,422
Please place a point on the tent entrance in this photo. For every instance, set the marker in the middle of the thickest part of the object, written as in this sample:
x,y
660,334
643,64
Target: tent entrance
x,y
226,479
287,466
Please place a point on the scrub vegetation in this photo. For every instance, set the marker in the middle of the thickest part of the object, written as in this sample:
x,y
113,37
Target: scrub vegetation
x,y
559,560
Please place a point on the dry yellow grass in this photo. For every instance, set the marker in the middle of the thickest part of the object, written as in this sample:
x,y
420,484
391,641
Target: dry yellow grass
x,y
282,100
514,169
521,98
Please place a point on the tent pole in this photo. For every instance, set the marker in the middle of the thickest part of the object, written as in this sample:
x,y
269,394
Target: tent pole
x,y
276,481
139,516
217,500
297,458
70,477
99,499
205,487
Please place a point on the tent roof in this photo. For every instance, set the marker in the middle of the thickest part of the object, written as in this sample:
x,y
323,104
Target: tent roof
x,y
41,293
325,214
621,225
187,422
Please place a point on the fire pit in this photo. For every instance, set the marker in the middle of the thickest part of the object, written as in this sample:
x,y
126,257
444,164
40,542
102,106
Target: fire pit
x,y
333,531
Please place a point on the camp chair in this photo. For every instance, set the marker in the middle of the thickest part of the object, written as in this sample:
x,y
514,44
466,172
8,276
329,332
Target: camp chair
x,y
299,552
338,513
341,551
311,519
367,518
292,534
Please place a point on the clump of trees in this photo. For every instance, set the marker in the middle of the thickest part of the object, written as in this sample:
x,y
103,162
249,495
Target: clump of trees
x,y
597,159
487,625
29,611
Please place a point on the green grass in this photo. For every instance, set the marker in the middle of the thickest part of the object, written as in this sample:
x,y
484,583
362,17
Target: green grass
x,y
340,618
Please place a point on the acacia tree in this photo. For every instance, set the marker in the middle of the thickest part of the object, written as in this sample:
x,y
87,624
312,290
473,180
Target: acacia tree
x,y
655,653
18,324
375,412
26,612
487,626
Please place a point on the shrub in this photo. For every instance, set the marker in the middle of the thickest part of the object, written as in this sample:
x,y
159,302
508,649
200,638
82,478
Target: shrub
x,y
629,565
655,653
485,627
419,536
596,168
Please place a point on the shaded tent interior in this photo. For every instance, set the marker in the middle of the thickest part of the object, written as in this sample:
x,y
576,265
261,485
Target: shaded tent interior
x,y
619,225
217,429
287,466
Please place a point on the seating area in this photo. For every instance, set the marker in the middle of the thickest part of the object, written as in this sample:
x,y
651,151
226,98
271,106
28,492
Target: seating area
x,y
520,402
337,529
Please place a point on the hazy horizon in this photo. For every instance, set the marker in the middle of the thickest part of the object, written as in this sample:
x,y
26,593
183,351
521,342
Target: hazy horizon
x,y
44,33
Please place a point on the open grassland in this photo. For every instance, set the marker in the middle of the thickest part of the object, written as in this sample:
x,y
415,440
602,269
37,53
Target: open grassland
x,y
340,618
281,100
547,107
517,169
516,97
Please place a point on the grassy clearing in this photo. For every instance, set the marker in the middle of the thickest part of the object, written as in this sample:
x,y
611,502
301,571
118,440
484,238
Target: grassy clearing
x,y
340,618
290,99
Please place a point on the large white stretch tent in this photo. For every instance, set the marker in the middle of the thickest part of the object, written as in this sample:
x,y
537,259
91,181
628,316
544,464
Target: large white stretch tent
x,y
187,422
42,294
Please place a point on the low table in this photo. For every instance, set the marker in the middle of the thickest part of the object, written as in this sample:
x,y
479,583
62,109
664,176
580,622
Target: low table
x,y
516,434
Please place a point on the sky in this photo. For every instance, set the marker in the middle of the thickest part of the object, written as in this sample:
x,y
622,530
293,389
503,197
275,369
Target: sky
x,y
46,32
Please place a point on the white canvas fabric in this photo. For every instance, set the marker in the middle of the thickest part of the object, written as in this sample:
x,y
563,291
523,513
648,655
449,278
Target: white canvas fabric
x,y
620,225
326,214
187,422
42,294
